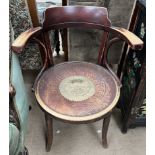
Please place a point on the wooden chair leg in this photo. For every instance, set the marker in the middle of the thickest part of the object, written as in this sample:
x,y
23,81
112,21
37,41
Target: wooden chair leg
x,y
49,132
58,47
65,43
64,36
124,128
105,126
57,42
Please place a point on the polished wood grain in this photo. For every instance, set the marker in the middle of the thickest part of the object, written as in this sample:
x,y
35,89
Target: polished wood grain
x,y
75,16
134,41
107,85
102,47
20,42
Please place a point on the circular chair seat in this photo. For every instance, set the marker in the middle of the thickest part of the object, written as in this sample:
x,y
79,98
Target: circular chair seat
x,y
77,91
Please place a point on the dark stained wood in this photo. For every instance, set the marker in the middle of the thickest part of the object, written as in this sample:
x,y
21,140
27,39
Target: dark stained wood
x,y
75,16
102,47
64,2
105,126
65,36
131,106
65,43
135,102
107,85
104,59
49,132
49,48
45,63
72,18
56,37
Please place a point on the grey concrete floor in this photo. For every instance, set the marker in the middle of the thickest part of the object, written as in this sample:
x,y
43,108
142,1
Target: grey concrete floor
x,y
83,139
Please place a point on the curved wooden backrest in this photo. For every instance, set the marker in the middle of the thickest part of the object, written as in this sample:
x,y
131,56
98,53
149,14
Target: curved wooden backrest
x,y
76,16
79,17
87,17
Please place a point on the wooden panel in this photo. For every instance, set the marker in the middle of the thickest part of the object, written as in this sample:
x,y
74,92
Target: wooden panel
x,y
77,16
132,71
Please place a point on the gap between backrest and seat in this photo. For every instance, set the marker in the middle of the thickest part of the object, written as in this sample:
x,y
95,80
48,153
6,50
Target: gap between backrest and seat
x,y
89,17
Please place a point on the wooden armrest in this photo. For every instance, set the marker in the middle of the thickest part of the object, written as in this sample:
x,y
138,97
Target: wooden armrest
x,y
19,43
129,37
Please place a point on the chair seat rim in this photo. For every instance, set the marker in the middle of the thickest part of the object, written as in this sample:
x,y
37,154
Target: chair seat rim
x,y
78,118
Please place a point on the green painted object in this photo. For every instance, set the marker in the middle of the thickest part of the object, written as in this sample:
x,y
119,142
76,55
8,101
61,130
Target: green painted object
x,y
21,105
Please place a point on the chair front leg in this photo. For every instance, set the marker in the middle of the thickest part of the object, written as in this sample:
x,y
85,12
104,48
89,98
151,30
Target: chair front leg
x,y
57,48
105,126
64,34
49,132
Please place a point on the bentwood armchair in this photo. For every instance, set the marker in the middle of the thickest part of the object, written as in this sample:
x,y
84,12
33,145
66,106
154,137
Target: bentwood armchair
x,y
74,91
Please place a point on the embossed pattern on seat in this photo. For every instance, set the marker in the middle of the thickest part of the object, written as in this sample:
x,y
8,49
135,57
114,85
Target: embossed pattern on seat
x,y
105,89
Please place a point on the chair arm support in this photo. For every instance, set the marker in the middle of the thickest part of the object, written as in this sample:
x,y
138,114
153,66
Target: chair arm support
x,y
20,42
135,42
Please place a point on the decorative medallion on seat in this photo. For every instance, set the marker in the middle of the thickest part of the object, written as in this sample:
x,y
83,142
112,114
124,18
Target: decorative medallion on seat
x,y
76,88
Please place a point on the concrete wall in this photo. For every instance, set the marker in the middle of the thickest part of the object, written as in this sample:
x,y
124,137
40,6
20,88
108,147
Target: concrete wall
x,y
119,14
